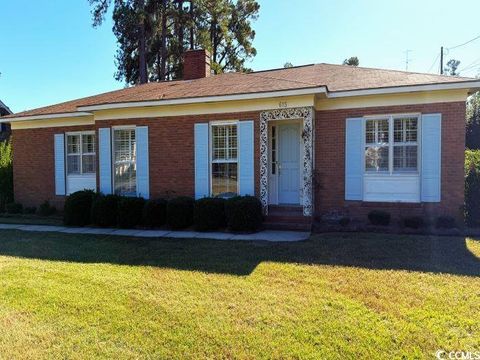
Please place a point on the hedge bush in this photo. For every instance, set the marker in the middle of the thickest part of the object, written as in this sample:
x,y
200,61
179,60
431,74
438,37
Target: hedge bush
x,y
379,217
155,213
104,210
45,209
6,174
472,188
77,209
29,210
14,208
209,214
129,212
180,212
445,222
413,222
243,213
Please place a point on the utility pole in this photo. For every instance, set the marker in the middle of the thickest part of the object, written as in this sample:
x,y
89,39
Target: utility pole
x,y
407,59
441,60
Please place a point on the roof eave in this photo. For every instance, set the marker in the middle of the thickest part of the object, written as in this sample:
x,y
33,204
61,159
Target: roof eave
x,y
204,99
471,86
45,116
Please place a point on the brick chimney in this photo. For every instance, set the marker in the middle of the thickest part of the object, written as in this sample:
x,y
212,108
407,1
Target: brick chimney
x,y
196,64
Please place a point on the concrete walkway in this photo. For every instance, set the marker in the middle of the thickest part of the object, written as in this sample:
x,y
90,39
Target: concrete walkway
x,y
266,235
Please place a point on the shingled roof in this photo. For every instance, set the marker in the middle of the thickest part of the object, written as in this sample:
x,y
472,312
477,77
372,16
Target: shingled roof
x,y
334,77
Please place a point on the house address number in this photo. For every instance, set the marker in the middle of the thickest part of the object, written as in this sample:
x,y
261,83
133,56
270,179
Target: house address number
x,y
282,104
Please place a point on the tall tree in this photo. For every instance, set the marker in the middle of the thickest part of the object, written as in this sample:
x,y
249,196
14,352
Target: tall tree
x,y
451,68
352,61
224,28
167,28
473,122
129,18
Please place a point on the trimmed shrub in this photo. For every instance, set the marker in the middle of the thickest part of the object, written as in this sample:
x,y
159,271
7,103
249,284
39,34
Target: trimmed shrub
x,y
155,213
209,214
414,222
244,213
379,217
45,209
104,210
180,212
6,174
130,210
14,208
78,205
445,222
472,198
30,210
344,221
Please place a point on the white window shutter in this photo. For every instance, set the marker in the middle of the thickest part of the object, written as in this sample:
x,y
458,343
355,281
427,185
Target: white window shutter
x,y
143,182
105,160
202,187
59,153
246,158
431,157
354,159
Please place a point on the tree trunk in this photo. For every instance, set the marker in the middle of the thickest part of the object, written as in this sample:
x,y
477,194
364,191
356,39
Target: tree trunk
x,y
142,71
192,26
163,62
181,27
213,39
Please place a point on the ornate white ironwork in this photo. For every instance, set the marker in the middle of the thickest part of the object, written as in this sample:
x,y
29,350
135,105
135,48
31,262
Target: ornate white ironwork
x,y
305,113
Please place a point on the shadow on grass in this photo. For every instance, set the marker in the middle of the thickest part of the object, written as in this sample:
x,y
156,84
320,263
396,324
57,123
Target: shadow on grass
x,y
372,251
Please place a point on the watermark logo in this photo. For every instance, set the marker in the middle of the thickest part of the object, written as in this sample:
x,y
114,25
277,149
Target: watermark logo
x,y
457,355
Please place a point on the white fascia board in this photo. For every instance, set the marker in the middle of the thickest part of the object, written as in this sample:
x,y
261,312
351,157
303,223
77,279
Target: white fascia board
x,y
203,99
44,117
404,89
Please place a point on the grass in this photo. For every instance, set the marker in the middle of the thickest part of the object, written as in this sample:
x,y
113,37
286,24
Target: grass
x,y
348,296
27,219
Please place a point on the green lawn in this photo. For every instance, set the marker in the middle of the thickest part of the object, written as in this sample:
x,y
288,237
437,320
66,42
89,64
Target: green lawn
x,y
335,296
24,219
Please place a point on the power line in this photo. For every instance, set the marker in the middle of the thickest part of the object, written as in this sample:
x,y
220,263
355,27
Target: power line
x,y
474,64
434,62
465,43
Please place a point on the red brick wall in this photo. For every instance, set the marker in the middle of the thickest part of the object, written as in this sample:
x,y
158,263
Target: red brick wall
x,y
330,161
171,151
33,165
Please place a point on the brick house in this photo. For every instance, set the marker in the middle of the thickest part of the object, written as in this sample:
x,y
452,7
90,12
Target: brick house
x,y
311,139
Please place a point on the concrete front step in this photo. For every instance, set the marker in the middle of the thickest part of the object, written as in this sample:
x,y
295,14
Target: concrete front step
x,y
285,208
291,219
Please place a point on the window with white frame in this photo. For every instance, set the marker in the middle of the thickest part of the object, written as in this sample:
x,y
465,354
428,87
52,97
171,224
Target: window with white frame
x,y
391,144
124,162
81,155
224,163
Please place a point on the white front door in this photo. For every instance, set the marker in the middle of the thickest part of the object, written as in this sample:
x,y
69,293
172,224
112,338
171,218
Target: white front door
x,y
289,164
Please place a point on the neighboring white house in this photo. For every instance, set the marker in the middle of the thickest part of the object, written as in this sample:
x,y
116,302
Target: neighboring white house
x,y
4,128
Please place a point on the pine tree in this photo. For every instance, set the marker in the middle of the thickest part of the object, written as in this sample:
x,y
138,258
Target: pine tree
x,y
153,35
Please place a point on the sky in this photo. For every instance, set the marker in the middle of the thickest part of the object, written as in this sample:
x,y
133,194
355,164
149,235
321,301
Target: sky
x,y
49,51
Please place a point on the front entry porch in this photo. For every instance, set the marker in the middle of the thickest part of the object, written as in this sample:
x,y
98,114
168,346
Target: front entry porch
x,y
286,162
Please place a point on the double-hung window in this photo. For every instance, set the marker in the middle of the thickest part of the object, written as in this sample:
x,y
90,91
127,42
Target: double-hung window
x,y
81,155
124,162
224,160
391,145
